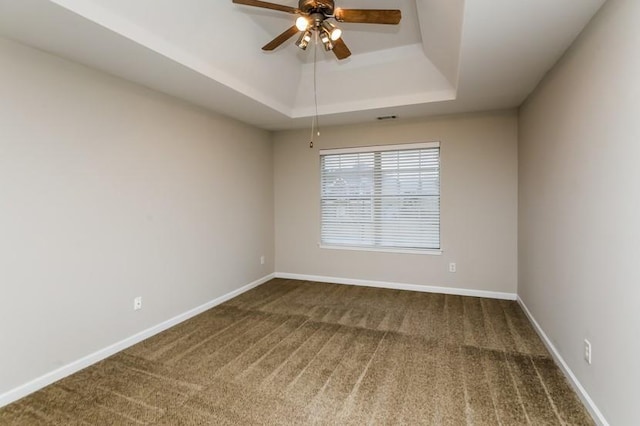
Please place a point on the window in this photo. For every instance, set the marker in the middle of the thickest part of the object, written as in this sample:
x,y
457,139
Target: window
x,y
381,198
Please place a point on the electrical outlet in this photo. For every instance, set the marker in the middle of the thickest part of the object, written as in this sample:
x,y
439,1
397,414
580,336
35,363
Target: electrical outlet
x,y
137,303
587,351
452,267
262,260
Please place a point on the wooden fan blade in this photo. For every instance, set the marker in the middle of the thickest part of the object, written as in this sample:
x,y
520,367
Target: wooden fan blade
x,y
281,38
267,5
340,49
369,16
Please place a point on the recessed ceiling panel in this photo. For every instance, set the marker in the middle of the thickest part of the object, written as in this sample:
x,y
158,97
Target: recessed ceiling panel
x,y
446,56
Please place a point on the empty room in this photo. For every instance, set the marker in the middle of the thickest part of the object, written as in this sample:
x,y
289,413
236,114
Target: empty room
x,y
338,212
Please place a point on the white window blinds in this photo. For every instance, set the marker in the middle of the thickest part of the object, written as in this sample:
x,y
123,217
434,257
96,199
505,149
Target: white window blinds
x,y
381,197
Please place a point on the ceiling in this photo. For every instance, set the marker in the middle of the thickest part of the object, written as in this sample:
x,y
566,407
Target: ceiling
x,y
446,56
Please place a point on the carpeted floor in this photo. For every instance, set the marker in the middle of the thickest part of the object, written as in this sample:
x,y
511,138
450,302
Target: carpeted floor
x,y
293,352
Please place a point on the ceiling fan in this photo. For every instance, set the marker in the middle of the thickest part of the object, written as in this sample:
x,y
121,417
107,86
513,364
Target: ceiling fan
x,y
314,17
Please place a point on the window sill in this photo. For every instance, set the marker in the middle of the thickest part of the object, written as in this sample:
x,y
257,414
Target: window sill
x,y
383,250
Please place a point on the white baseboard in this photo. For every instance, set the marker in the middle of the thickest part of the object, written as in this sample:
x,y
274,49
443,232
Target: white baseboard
x,y
400,286
75,366
597,415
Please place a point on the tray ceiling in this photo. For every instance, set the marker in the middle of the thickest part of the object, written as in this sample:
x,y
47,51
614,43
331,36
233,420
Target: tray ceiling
x,y
446,56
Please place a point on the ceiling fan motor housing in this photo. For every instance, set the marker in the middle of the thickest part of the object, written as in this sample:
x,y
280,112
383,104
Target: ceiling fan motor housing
x,y
325,7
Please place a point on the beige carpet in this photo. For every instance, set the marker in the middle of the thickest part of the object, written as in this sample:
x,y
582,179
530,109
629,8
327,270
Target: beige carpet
x,y
293,352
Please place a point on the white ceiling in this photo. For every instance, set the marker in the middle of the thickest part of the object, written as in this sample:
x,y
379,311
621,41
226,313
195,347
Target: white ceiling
x,y
446,56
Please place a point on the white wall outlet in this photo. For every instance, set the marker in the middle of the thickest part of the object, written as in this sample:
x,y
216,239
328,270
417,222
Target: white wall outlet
x,y
137,303
262,260
452,267
587,351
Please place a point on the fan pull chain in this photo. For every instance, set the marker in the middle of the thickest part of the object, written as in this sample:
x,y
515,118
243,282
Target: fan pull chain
x,y
315,123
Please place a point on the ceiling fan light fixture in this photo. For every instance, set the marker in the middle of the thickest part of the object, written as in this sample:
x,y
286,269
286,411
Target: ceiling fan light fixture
x,y
302,23
334,32
325,37
304,40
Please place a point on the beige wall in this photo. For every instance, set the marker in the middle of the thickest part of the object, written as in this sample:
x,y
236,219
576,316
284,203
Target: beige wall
x,y
478,197
110,191
580,208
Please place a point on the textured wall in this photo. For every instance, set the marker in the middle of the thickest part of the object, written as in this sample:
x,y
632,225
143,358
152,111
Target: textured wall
x,y
579,228
110,191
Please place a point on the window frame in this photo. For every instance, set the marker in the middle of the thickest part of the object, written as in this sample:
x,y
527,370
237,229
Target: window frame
x,y
376,149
